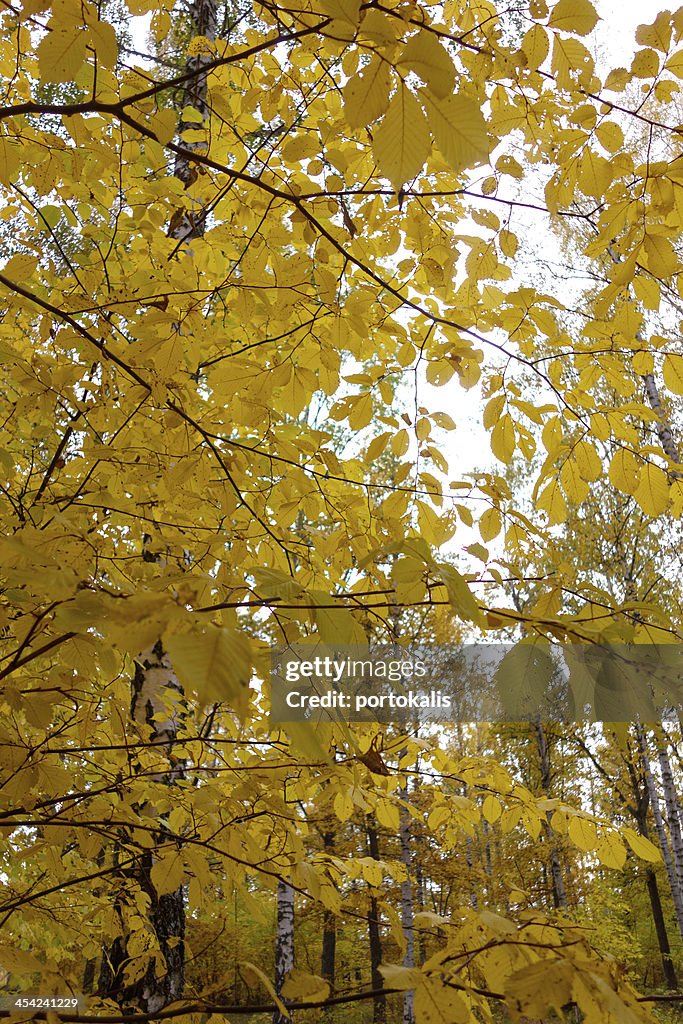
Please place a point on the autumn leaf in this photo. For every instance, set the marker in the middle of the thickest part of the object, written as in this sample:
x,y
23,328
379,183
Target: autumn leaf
x,y
61,54
428,58
401,141
459,128
366,96
577,16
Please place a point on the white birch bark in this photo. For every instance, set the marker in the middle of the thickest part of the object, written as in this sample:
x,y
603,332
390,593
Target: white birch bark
x,y
156,700
672,809
407,907
676,892
559,890
284,941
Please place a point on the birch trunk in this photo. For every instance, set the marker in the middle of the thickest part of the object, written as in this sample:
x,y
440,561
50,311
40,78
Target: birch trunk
x,y
407,908
163,977
559,890
676,892
284,941
379,1002
672,809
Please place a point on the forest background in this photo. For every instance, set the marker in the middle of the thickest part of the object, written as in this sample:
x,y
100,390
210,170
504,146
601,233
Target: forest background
x,y
241,267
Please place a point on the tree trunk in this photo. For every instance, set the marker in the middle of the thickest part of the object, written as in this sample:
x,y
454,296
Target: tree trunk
x,y
148,981
642,798
407,908
329,950
660,928
676,891
284,941
189,222
672,809
379,1001
559,890
121,977
329,945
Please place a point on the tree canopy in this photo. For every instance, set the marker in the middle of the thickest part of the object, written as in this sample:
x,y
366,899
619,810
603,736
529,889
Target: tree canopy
x,y
238,270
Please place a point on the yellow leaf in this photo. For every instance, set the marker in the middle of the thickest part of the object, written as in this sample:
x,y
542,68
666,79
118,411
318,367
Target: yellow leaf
x,y
508,243
662,260
641,846
343,806
535,46
577,16
361,413
379,26
610,135
214,661
300,147
366,96
257,973
437,1003
459,593
583,833
571,62
611,851
377,446
503,438
103,39
400,442
387,814
61,54
675,64
397,976
595,173
301,987
490,524
491,809
652,492
645,63
588,461
401,142
167,873
647,291
658,34
342,10
9,160
552,502
459,129
537,988
673,373
335,625
429,59
624,471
